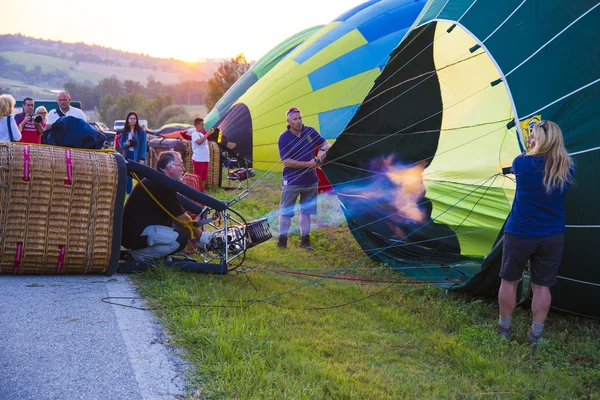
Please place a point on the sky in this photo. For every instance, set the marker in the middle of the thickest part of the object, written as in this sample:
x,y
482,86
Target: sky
x,y
185,29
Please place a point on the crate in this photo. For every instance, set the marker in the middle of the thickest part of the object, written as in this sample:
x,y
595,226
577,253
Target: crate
x,y
60,210
157,146
193,181
184,148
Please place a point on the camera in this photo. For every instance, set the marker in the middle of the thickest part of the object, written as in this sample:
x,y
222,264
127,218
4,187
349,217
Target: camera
x,y
130,143
36,118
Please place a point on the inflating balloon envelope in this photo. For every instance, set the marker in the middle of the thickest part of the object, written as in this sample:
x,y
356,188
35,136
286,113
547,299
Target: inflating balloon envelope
x,y
454,106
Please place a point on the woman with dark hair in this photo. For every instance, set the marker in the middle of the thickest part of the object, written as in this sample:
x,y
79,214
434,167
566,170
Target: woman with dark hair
x,y
133,143
535,228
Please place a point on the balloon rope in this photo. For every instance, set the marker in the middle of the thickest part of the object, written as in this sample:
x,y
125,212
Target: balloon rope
x,y
401,130
376,173
364,258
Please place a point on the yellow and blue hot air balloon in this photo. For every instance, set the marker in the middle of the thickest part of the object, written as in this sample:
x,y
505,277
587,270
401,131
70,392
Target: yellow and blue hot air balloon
x,y
327,77
450,111
256,72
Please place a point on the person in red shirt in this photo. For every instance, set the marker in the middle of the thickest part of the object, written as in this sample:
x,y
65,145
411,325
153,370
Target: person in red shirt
x,y
30,124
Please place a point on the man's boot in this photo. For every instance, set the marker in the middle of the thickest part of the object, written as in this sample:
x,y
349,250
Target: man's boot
x,y
305,243
282,242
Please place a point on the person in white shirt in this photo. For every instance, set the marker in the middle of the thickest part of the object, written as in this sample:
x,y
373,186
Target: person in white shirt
x,y
201,151
64,102
8,126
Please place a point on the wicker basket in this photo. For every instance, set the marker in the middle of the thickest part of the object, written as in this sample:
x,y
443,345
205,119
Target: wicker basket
x,y
214,166
184,147
157,146
60,210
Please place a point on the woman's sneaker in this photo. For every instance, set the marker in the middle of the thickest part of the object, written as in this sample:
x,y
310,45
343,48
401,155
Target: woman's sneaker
x,y
503,332
532,338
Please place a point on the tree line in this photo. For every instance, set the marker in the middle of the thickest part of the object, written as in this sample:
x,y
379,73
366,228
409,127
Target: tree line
x,y
158,103
188,92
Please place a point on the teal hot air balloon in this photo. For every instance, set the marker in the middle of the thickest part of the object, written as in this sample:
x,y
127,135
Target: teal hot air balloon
x,y
256,72
327,77
450,111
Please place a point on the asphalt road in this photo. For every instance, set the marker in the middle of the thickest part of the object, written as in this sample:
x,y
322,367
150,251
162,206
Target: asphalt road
x,y
58,340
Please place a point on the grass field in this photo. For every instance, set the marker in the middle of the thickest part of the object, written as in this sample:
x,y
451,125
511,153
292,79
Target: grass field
x,y
89,71
278,328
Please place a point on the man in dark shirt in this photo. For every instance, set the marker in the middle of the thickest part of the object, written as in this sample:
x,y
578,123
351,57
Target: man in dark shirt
x,y
296,149
148,231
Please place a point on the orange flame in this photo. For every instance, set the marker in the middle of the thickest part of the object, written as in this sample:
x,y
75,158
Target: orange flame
x,y
409,192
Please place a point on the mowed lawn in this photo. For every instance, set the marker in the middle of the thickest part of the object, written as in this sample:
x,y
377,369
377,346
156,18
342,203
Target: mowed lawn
x,y
291,324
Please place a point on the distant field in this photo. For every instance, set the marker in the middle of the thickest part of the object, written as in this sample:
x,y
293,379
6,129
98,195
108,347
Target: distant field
x,y
38,92
124,73
50,64
89,71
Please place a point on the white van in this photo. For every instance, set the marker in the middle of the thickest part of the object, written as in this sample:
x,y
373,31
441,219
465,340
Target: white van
x,y
119,125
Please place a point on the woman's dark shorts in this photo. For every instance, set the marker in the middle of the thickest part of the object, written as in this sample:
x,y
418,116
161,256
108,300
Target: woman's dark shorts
x,y
544,254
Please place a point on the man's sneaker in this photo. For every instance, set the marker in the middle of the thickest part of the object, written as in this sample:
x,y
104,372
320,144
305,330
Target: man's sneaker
x,y
305,243
532,338
503,332
282,242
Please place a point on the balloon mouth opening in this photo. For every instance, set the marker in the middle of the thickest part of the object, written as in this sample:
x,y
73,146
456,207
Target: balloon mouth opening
x,y
236,135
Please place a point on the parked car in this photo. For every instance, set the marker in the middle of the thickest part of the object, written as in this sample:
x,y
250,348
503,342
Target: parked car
x,y
110,135
102,125
119,125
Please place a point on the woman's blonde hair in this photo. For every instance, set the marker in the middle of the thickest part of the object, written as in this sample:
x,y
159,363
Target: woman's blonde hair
x,y
7,103
40,109
549,143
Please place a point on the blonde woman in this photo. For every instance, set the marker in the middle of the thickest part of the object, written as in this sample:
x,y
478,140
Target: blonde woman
x,y
535,229
9,131
41,111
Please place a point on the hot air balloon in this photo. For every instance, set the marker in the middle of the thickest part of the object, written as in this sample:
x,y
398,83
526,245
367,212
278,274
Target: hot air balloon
x,y
256,72
327,77
448,114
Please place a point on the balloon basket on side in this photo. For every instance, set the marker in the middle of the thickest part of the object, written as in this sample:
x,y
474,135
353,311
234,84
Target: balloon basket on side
x,y
60,210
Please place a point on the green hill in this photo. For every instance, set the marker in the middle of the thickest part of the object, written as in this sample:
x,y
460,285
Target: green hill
x,y
47,63
82,71
30,66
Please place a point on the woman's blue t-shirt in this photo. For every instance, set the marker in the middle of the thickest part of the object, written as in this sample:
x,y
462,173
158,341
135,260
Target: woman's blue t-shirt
x,y
534,213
